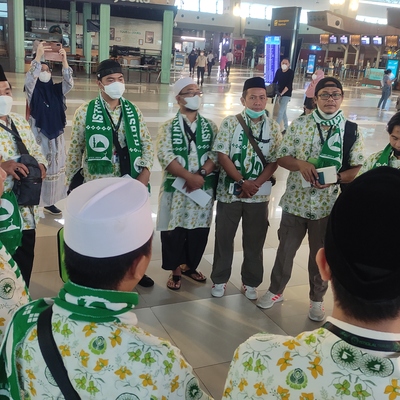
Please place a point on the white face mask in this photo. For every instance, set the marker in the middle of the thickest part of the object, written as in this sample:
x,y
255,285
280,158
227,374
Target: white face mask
x,y
5,105
115,90
284,67
327,116
193,103
313,77
44,76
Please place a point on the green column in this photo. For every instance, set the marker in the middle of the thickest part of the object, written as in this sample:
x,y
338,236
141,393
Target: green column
x,y
166,48
87,39
72,24
104,38
18,19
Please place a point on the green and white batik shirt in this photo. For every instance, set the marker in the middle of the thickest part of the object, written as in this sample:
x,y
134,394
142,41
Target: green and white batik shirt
x,y
302,141
106,354
13,291
314,365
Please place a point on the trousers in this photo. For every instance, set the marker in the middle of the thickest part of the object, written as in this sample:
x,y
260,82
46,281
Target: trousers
x,y
283,103
25,254
291,233
254,218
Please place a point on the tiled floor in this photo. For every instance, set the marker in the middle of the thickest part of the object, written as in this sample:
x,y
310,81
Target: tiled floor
x,y
207,329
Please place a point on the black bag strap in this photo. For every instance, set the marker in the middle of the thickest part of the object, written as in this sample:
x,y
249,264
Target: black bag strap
x,y
251,139
20,144
52,356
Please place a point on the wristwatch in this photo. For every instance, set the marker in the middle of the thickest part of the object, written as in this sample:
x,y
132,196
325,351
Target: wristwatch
x,y
203,172
240,182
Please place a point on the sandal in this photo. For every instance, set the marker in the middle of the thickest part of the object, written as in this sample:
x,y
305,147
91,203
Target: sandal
x,y
174,282
195,275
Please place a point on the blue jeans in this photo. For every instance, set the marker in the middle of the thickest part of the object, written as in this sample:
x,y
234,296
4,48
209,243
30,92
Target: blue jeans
x,y
386,92
283,102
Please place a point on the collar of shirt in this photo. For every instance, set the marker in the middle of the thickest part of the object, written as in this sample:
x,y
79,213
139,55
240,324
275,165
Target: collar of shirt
x,y
192,125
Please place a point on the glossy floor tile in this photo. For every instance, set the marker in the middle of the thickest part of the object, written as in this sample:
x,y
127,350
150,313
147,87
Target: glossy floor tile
x,y
206,329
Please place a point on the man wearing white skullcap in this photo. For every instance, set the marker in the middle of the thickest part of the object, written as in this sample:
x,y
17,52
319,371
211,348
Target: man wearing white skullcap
x,y
109,136
184,151
108,235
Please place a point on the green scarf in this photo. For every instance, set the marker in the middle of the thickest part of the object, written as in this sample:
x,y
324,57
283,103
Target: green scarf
x,y
10,222
238,154
84,304
383,160
204,137
99,137
331,152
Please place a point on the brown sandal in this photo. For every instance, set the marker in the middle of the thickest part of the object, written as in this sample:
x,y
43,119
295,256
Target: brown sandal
x,y
174,282
195,275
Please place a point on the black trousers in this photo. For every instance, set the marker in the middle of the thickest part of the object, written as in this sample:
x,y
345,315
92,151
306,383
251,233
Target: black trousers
x,y
209,66
228,67
183,246
191,68
25,253
200,72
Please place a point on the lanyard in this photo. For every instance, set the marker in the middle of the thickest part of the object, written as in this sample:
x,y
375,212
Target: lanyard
x,y
390,346
114,127
320,133
260,138
189,134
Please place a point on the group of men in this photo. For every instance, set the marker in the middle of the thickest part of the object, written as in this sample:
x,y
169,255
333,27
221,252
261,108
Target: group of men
x,y
108,234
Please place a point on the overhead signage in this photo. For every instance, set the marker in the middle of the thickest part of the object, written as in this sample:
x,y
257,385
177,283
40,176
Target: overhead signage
x,y
272,54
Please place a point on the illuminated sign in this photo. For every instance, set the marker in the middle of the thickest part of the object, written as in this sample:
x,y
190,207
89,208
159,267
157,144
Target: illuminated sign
x,y
272,54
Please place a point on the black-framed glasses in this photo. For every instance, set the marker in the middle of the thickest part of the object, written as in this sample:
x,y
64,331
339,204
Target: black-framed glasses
x,y
326,96
192,94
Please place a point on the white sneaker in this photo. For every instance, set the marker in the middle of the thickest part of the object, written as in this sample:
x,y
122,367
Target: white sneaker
x,y
317,311
269,299
218,289
250,292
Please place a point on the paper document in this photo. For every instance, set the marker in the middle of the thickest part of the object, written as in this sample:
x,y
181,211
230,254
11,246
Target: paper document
x,y
265,189
199,196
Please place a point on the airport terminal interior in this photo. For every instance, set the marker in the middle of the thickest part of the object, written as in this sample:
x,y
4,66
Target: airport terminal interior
x,y
207,329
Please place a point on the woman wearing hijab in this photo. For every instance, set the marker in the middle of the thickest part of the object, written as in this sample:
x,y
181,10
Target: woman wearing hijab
x,y
222,64
309,104
47,119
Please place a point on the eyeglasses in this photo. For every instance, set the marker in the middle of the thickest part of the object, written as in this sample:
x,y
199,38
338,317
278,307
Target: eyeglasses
x,y
326,96
192,94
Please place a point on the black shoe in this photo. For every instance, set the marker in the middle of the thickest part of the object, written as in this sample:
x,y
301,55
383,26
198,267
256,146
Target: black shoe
x,y
284,131
53,210
146,281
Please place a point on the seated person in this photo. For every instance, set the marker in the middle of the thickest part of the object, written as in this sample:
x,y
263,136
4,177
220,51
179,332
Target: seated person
x,y
106,355
355,353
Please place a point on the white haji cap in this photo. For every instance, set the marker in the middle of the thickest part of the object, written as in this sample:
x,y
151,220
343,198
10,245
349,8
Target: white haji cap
x,y
108,217
181,83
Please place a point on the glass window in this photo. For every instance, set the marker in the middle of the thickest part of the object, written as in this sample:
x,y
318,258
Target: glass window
x,y
190,5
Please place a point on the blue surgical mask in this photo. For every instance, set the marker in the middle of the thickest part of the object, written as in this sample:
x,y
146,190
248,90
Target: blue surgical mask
x,y
254,114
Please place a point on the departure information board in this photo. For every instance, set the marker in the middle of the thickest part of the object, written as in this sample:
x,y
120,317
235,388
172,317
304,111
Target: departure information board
x,y
272,55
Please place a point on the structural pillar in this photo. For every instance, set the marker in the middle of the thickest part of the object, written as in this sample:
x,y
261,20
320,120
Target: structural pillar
x,y
87,38
72,24
166,48
18,18
104,36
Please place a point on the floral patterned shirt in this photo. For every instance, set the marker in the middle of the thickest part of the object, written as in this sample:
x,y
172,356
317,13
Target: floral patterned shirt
x,y
224,144
13,291
175,209
373,158
9,151
107,356
314,365
302,142
77,157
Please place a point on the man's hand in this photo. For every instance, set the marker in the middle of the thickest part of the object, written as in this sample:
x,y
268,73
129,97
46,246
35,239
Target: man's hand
x,y
249,189
14,168
193,182
308,171
144,177
43,170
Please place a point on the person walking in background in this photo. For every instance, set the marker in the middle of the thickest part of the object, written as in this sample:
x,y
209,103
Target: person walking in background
x,y
229,62
210,62
386,89
192,61
284,79
309,104
222,64
47,119
201,64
